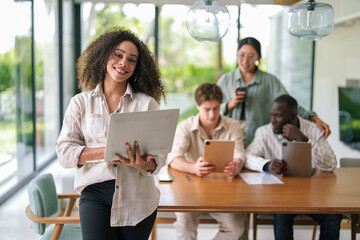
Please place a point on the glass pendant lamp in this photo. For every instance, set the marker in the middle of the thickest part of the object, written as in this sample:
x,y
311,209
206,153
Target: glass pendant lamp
x,y
311,20
208,20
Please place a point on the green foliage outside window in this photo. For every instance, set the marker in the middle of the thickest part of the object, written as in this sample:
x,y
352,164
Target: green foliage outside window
x,y
7,63
187,78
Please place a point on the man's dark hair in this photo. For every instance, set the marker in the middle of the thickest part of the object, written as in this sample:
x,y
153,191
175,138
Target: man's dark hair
x,y
289,101
208,91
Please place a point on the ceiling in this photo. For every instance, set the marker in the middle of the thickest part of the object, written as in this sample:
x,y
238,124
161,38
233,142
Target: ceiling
x,y
190,2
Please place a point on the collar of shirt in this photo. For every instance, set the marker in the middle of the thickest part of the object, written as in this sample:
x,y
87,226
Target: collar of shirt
x,y
281,138
196,124
98,91
253,82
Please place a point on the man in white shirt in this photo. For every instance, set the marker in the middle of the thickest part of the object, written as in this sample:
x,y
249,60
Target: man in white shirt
x,y
264,154
187,156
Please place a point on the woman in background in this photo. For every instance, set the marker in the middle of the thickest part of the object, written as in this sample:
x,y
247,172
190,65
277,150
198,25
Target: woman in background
x,y
248,91
117,198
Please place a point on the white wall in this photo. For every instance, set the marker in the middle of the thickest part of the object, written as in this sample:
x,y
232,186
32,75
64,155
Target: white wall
x,y
337,58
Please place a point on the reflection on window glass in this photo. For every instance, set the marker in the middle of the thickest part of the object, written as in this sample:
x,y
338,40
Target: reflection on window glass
x,y
69,81
46,79
291,59
283,55
16,114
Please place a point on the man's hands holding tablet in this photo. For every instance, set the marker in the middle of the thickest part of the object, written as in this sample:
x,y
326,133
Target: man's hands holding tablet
x,y
202,167
233,168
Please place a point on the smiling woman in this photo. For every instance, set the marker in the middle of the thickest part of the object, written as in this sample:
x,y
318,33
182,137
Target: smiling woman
x,y
121,64
120,75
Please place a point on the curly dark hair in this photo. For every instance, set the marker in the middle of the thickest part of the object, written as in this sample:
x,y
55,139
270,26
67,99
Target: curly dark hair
x,y
91,65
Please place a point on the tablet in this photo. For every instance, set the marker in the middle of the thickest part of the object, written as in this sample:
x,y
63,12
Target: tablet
x,y
297,155
219,152
153,130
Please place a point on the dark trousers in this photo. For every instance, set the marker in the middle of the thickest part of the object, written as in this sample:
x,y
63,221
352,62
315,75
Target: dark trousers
x,y
95,209
329,226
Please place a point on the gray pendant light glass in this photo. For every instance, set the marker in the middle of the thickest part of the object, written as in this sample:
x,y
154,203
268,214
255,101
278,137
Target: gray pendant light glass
x,y
311,20
208,20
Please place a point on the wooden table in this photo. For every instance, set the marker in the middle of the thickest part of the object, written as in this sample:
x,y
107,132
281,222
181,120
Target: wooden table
x,y
336,192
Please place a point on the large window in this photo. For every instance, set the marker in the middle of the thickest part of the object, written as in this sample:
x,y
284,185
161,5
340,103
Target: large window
x,y
69,83
99,17
291,59
46,78
37,65
185,63
29,87
16,99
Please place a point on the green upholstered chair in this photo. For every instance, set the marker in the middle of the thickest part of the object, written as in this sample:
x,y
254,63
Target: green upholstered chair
x,y
355,218
43,210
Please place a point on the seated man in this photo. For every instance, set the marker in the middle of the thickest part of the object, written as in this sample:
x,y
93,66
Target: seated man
x,y
187,156
264,154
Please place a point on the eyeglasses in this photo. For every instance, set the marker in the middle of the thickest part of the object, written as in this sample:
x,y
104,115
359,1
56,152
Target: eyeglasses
x,y
247,57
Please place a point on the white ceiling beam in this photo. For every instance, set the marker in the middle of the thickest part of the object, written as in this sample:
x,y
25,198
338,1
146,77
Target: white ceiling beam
x,y
190,2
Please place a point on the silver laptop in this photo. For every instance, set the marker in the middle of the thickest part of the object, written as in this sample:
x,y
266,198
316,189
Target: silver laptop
x,y
297,155
153,130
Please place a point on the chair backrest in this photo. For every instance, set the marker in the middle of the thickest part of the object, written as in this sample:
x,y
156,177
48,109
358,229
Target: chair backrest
x,y
43,199
349,162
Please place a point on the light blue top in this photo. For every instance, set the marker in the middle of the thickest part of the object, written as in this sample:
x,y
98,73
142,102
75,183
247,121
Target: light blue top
x,y
261,92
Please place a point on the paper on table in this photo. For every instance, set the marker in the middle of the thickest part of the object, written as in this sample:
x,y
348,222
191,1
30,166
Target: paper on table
x,y
260,178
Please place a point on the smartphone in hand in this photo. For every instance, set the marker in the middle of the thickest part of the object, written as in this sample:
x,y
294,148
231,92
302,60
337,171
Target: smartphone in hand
x,y
241,89
165,177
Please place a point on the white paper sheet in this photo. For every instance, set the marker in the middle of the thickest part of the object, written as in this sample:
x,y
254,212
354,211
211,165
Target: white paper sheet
x,y
260,178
